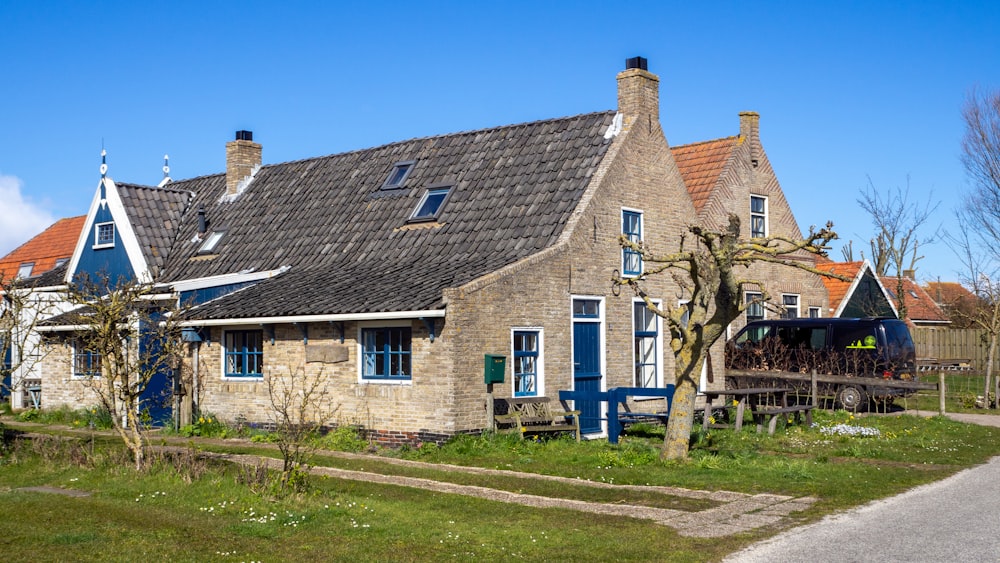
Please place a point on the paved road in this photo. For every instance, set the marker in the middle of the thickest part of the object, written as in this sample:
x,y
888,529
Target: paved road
x,y
957,519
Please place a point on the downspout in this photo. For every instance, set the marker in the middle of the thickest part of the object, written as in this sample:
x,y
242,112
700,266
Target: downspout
x,y
195,346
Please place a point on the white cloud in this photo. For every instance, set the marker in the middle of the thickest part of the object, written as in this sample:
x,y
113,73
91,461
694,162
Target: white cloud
x,y
20,219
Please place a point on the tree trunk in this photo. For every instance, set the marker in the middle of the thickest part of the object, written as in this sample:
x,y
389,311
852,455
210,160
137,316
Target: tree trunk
x,y
990,358
675,443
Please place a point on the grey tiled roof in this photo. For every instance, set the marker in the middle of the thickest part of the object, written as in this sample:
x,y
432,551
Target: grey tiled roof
x,y
155,215
348,244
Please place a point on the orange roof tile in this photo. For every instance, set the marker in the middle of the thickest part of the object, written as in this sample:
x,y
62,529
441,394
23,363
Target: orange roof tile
x,y
948,293
55,242
919,305
837,289
701,164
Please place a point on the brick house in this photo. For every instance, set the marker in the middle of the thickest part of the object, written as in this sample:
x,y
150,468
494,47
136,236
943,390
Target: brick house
x,y
391,271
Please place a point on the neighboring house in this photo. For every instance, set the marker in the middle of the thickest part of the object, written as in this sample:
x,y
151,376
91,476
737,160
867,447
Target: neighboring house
x,y
34,263
391,271
957,302
921,310
861,295
48,250
733,175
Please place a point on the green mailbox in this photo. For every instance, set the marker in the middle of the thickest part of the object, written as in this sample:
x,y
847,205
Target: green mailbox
x,y
496,366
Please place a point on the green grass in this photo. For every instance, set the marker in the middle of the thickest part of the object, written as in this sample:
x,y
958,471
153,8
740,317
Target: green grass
x,y
160,514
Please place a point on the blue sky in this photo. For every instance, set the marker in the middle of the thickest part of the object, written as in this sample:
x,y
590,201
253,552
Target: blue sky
x,y
846,90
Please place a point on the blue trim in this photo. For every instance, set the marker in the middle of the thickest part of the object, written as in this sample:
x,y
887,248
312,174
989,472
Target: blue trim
x,y
525,365
387,353
244,353
205,294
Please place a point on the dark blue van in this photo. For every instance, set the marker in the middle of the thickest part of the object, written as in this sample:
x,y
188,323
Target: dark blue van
x,y
870,348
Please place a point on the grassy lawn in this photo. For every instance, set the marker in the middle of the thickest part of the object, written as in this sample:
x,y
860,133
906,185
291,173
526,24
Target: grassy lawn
x,y
183,510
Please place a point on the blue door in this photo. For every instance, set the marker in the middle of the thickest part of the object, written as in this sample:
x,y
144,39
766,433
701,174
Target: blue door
x,y
157,398
587,361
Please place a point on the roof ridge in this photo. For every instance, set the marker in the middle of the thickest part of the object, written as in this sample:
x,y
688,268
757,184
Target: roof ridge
x,y
696,143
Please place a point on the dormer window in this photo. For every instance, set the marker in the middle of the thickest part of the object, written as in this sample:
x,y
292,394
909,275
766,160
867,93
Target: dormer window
x,y
24,270
431,204
400,171
211,242
104,235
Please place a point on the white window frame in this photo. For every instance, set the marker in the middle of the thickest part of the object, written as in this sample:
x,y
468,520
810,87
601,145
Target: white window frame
x,y
97,235
211,242
24,270
818,310
360,353
539,363
223,349
76,345
658,341
703,380
765,214
785,307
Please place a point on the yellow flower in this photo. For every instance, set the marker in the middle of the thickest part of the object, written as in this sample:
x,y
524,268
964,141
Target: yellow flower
x,y
735,402
201,420
711,420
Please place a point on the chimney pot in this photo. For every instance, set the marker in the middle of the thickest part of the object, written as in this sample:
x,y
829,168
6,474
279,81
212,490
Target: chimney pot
x,y
202,222
636,62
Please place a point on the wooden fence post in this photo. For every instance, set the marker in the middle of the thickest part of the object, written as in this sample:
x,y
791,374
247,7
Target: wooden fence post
x,y
814,388
940,392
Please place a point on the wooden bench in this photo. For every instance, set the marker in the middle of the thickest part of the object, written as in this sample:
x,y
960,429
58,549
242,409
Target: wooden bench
x,y
770,415
533,415
617,398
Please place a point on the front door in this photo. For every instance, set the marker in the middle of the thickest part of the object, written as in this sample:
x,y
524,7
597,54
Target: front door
x,y
587,361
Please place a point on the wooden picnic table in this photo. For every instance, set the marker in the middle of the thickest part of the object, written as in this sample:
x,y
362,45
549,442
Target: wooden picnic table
x,y
755,397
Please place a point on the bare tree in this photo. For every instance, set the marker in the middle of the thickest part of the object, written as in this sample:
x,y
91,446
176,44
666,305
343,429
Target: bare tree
x,y
21,309
709,268
978,243
131,333
300,409
897,221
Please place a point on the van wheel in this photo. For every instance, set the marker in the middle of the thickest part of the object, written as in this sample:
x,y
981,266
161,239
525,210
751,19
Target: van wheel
x,y
851,398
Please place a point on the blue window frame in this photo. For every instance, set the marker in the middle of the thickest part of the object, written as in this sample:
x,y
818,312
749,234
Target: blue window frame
x,y
104,234
244,351
86,363
646,325
386,353
632,229
526,362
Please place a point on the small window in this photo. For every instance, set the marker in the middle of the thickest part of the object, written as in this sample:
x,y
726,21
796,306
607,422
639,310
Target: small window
x,y
815,312
791,305
431,204
104,234
386,353
527,362
86,363
211,242
61,261
632,229
400,171
755,306
244,352
758,216
24,270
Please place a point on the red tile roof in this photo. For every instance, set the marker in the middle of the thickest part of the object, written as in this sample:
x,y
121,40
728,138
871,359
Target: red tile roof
x,y
701,164
948,293
55,242
919,305
837,289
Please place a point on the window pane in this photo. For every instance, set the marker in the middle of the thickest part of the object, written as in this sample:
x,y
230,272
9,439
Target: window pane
x,y
756,204
431,203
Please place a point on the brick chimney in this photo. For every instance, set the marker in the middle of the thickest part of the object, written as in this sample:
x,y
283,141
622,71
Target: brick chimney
x,y
638,90
243,157
750,132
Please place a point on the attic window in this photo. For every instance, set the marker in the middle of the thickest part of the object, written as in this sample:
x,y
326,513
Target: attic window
x,y
431,204
61,261
24,270
211,242
400,171
104,235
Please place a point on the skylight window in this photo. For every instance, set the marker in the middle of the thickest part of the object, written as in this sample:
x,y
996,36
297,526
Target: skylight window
x,y
400,171
211,242
431,204
24,270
